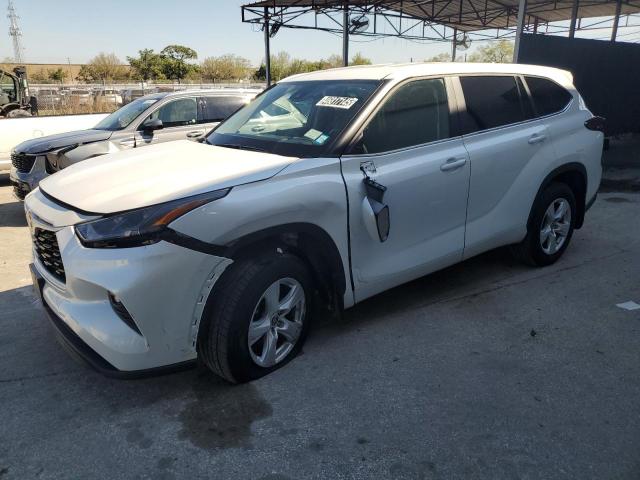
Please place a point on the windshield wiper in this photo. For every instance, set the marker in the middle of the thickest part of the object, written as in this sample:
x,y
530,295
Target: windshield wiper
x,y
237,146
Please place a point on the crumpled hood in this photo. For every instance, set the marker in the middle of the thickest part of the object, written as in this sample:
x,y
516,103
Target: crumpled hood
x,y
158,173
53,142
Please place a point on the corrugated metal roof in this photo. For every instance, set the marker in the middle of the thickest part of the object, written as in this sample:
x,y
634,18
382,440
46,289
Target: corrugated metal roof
x,y
470,15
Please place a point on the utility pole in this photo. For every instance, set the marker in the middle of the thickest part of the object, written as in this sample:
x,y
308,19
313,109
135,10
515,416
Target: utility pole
x,y
15,33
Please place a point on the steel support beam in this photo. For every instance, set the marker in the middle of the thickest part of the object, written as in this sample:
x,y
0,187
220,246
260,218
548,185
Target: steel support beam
x,y
267,49
616,20
345,35
574,18
453,45
522,8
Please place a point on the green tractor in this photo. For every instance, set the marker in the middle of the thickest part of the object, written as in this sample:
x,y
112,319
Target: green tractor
x,y
14,95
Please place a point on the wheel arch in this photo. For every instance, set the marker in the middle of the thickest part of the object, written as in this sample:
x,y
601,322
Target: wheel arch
x,y
309,242
574,175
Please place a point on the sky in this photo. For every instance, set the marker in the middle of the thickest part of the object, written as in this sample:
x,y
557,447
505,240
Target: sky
x,y
74,31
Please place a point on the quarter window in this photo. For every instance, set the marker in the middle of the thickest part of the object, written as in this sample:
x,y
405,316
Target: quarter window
x,y
217,108
415,114
548,96
493,102
177,113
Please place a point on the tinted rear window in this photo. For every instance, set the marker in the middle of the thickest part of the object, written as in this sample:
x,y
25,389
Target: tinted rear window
x,y
548,96
217,108
493,102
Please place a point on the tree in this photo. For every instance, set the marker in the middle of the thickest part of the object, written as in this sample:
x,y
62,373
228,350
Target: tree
x,y
147,65
225,68
359,59
57,75
495,52
441,57
103,67
175,64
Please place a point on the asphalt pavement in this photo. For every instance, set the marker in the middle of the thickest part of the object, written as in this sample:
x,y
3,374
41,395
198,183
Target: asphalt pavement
x,y
486,370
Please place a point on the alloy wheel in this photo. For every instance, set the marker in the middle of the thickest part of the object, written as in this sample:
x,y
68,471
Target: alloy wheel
x,y
555,226
276,323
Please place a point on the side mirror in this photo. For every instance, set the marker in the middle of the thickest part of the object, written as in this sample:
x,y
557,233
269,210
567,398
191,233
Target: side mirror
x,y
151,125
375,194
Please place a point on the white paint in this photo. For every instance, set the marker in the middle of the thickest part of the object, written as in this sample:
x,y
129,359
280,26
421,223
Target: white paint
x,y
157,173
628,305
16,130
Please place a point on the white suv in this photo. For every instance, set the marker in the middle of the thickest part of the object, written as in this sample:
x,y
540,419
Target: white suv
x,y
328,188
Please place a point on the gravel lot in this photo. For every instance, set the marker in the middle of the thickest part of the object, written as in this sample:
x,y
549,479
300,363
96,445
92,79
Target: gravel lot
x,y
488,369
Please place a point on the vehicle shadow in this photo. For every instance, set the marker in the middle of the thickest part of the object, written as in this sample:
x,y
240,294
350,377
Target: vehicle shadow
x,y
473,275
4,179
12,215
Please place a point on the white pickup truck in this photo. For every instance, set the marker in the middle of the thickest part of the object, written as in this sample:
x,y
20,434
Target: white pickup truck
x,y
16,130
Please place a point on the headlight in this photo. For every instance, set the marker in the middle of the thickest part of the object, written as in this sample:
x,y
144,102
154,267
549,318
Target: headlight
x,y
143,226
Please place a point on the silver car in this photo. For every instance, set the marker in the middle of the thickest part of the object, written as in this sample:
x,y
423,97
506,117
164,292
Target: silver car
x,y
152,119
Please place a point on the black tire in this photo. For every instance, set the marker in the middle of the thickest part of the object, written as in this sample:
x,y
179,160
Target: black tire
x,y
222,339
530,250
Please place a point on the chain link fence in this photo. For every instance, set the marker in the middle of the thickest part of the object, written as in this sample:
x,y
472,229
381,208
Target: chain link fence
x,y
98,98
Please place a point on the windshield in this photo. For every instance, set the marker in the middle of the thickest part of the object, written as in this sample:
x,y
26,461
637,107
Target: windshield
x,y
123,117
301,119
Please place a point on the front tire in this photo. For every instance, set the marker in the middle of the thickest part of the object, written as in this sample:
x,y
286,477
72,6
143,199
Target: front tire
x,y
256,318
550,228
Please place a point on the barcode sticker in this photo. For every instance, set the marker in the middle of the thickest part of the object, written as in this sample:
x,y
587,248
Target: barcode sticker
x,y
337,102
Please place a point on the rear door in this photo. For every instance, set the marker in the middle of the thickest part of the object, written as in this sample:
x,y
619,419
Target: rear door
x,y
179,119
213,109
506,146
410,146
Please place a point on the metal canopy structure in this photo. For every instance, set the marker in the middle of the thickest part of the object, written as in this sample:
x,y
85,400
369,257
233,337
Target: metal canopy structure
x,y
439,20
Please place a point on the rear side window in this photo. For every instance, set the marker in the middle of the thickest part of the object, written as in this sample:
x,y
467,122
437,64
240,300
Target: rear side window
x,y
415,114
217,108
548,96
493,102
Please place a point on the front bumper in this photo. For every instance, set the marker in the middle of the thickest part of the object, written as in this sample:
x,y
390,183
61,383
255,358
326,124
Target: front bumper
x,y
77,348
24,182
163,286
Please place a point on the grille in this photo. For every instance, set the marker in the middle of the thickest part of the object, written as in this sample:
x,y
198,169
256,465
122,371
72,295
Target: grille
x,y
46,245
22,162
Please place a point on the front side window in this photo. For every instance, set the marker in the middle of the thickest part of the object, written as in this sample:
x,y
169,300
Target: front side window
x,y
548,96
415,114
217,108
493,101
301,119
177,113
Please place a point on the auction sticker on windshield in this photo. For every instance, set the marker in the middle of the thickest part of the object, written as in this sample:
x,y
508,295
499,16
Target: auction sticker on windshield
x,y
337,102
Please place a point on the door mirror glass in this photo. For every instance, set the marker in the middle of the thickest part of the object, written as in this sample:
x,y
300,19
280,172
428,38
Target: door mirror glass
x,y
151,125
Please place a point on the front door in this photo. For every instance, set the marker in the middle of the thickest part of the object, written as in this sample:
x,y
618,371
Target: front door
x,y
179,120
409,147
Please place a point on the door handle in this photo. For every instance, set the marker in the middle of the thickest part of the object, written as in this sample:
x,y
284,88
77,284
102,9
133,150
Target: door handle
x,y
257,128
194,134
537,138
453,164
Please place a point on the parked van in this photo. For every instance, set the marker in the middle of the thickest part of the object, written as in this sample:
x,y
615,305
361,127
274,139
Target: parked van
x,y
226,249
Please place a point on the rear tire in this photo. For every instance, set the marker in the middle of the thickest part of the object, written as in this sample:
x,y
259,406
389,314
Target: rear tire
x,y
251,299
550,227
